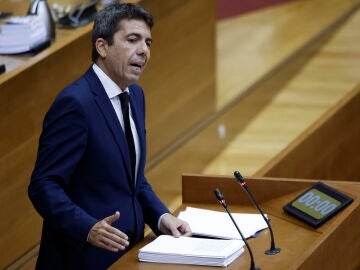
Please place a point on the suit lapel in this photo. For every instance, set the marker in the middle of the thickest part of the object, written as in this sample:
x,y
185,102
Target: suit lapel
x,y
105,106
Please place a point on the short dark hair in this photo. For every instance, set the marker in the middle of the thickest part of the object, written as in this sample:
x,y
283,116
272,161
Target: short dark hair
x,y
107,20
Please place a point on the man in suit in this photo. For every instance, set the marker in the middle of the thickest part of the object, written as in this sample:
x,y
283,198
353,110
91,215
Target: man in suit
x,y
88,183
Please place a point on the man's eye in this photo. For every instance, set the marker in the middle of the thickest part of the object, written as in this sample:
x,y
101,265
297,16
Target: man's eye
x,y
148,44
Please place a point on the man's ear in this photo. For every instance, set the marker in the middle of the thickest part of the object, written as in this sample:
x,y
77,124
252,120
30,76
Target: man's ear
x,y
102,47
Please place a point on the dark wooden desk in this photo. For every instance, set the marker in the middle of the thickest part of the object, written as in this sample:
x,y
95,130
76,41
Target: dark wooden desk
x,y
334,245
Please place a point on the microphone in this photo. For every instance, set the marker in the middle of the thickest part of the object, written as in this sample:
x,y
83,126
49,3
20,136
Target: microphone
x,y
273,250
221,200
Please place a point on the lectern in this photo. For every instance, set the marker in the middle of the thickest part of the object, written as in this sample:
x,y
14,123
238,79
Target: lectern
x,y
335,245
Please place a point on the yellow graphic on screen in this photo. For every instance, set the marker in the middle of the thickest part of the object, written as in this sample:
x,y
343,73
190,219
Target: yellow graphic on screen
x,y
316,204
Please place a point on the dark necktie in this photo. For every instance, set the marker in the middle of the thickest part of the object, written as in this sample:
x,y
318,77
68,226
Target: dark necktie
x,y
124,99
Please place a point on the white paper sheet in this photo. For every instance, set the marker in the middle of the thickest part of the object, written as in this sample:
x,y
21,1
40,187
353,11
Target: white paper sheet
x,y
191,250
218,224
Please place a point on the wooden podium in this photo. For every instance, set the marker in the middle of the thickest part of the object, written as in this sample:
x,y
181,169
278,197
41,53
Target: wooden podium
x,y
335,245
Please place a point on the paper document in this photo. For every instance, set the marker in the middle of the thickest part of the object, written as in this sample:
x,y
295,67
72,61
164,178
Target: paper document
x,y
22,34
218,224
191,250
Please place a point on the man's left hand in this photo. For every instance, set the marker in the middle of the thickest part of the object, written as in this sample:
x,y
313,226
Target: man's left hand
x,y
173,226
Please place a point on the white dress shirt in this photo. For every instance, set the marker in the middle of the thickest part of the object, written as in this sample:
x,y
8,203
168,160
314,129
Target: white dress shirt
x,y
113,91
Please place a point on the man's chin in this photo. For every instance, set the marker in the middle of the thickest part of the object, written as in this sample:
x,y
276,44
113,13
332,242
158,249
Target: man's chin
x,y
133,78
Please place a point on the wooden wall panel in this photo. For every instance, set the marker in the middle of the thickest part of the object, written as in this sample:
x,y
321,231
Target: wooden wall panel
x,y
327,150
24,100
179,82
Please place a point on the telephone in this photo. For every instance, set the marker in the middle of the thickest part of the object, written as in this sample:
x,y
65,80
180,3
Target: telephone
x,y
80,15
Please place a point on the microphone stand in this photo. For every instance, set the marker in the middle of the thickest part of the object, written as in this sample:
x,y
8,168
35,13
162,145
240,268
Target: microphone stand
x,y
221,200
273,250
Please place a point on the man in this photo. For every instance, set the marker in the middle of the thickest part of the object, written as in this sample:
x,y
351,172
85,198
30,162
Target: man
x,y
88,183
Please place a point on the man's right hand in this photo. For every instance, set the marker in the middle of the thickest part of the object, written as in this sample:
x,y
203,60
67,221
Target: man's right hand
x,y
105,236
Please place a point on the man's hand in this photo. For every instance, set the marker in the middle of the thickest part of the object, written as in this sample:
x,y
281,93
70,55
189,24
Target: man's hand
x,y
103,235
173,226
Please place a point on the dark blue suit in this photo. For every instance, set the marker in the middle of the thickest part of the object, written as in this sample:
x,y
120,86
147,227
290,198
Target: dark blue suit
x,y
83,174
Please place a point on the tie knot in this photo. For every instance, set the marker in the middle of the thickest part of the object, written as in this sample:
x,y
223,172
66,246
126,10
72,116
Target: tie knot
x,y
124,98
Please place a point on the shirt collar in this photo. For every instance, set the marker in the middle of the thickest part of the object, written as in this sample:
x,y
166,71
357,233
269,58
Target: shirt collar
x,y
111,88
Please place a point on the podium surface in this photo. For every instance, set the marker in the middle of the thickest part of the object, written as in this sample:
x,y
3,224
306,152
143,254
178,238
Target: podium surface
x,y
334,245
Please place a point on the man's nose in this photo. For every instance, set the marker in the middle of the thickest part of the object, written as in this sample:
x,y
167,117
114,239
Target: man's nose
x,y
143,48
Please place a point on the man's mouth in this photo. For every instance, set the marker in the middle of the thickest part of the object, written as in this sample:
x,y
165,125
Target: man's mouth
x,y
137,66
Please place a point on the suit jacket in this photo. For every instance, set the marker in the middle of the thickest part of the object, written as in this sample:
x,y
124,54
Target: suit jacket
x,y
83,174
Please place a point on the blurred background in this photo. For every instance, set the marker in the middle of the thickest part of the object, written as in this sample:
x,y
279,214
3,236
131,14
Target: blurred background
x,y
269,88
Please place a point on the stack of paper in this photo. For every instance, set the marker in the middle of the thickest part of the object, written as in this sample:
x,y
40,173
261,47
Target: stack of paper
x,y
218,224
190,250
22,34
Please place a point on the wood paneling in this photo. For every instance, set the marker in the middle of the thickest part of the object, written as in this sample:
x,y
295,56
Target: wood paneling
x,y
251,47
300,93
275,112
179,82
24,99
326,150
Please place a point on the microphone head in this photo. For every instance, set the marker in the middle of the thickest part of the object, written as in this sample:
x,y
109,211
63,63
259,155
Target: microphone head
x,y
239,177
218,194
